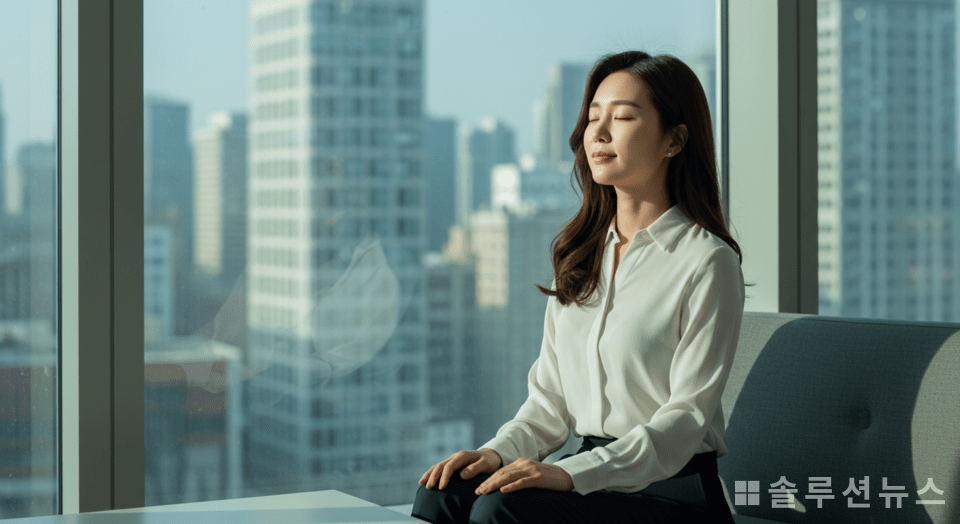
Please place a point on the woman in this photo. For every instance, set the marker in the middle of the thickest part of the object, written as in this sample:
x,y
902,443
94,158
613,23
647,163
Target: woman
x,y
640,331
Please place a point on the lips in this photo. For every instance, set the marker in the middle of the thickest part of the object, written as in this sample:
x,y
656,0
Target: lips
x,y
602,157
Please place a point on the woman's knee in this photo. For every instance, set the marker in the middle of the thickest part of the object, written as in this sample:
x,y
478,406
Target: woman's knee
x,y
429,505
498,508
452,504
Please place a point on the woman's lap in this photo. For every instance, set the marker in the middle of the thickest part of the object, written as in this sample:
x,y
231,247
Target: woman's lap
x,y
458,503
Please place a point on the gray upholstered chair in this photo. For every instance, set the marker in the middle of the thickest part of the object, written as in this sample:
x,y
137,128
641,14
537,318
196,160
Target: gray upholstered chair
x,y
843,398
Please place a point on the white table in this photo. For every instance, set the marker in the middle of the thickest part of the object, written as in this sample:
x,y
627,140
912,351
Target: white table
x,y
326,507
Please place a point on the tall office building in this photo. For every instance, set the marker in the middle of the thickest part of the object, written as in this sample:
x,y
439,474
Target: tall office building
x,y
159,282
220,188
336,205
3,163
561,109
889,213
440,170
29,236
533,180
512,251
14,279
37,163
168,167
451,347
168,192
492,143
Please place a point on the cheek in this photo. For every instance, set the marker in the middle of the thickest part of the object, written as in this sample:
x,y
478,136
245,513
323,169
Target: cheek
x,y
644,149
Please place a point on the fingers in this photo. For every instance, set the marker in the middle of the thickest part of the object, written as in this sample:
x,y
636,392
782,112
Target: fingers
x,y
524,474
472,469
453,463
521,483
476,462
468,472
423,479
437,476
502,477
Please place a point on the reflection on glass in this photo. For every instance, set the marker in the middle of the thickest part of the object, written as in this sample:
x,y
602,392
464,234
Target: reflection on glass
x,y
28,259
340,288
889,194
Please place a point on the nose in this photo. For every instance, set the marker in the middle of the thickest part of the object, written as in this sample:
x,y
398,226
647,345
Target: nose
x,y
600,131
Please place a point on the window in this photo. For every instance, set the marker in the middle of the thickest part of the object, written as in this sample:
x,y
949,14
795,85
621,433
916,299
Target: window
x,y
305,184
897,85
29,276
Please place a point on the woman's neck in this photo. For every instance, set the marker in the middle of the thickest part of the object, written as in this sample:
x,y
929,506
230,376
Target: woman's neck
x,y
634,215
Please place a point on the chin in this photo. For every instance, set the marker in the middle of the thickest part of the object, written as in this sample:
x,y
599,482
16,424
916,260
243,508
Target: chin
x,y
604,179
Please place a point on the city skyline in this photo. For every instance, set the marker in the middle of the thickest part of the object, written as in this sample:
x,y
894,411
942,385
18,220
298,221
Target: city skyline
x,y
459,61
356,326
456,56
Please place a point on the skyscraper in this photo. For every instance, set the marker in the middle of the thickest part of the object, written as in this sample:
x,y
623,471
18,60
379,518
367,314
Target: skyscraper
x,y
168,192
512,251
220,188
336,207
441,171
563,99
168,167
36,168
889,212
159,283
492,143
451,340
534,180
3,163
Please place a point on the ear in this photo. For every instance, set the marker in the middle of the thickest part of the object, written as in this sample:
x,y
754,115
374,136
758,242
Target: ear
x,y
678,138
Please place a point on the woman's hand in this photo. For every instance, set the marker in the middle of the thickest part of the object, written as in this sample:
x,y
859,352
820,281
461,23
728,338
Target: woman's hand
x,y
526,473
484,461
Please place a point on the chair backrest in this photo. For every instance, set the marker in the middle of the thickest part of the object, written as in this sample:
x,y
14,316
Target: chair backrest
x,y
843,398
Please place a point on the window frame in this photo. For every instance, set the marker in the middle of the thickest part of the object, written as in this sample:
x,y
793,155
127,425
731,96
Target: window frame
x,y
767,75
101,257
769,125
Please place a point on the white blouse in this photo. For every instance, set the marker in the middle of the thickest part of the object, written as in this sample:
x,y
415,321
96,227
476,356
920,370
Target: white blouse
x,y
644,362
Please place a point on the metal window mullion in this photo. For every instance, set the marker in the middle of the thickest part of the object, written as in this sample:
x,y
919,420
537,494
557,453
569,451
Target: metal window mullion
x,y
723,92
797,93
771,149
808,279
102,256
127,206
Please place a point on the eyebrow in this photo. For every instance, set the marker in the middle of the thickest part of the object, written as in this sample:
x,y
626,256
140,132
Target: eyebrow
x,y
619,103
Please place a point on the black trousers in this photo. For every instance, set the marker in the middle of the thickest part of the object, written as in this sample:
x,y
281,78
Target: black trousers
x,y
692,495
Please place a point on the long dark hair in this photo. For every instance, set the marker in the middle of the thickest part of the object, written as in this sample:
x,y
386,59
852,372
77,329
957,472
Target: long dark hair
x,y
692,184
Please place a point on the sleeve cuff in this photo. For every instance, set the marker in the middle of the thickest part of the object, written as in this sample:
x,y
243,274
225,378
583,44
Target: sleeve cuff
x,y
505,448
586,471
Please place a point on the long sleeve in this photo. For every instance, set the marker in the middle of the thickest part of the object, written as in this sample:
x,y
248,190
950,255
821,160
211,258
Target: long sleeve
x,y
711,310
541,426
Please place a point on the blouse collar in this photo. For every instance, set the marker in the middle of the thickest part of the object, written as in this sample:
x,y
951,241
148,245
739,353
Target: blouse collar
x,y
664,231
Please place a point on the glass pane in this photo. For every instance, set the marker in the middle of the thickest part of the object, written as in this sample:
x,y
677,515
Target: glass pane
x,y
29,308
889,192
335,196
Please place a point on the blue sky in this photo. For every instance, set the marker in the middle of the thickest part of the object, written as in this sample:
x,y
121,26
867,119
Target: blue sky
x,y
28,71
488,58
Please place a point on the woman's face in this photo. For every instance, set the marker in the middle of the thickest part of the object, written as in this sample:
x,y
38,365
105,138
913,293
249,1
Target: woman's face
x,y
623,141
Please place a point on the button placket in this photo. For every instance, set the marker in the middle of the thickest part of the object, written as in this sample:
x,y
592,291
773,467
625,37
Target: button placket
x,y
641,239
596,387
